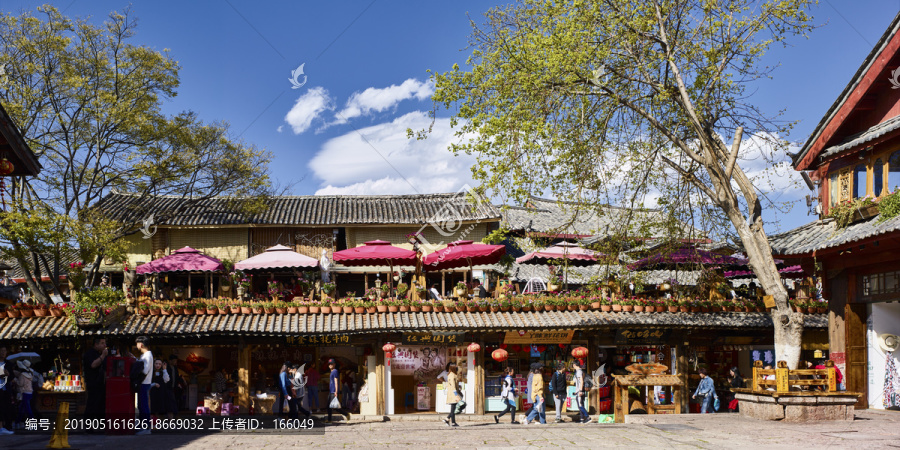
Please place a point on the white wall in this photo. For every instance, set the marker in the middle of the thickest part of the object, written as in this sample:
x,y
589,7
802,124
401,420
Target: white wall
x,y
883,318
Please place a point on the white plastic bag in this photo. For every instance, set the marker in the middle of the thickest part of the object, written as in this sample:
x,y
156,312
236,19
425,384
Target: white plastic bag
x,y
335,403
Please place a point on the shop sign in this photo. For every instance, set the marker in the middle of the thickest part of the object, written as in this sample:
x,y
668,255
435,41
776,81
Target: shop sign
x,y
433,338
642,336
315,339
538,337
421,361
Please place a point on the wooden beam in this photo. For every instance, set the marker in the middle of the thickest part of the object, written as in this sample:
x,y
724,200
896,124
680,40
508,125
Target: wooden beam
x,y
681,365
379,382
479,381
244,352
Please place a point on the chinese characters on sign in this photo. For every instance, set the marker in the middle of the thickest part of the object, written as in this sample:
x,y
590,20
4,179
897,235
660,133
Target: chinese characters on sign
x,y
642,336
451,339
538,337
337,339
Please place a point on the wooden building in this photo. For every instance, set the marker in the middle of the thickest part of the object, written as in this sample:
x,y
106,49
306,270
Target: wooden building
x,y
853,153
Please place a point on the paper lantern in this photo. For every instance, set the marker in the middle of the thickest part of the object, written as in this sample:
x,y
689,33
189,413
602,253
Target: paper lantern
x,y
562,345
6,167
474,347
541,348
517,348
389,350
500,355
580,352
503,346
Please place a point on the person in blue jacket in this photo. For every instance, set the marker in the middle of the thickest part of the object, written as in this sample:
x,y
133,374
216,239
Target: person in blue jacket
x,y
283,385
706,391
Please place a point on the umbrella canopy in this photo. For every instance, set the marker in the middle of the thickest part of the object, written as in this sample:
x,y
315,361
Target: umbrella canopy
x,y
574,254
787,272
23,356
375,253
183,260
464,254
686,258
277,257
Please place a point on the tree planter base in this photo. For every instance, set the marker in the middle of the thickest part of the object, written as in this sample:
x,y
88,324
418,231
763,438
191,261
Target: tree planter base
x,y
797,406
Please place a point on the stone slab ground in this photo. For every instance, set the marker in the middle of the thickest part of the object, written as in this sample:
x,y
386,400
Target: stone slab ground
x,y
869,430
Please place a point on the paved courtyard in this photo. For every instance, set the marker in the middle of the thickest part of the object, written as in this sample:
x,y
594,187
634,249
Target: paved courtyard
x,y
871,429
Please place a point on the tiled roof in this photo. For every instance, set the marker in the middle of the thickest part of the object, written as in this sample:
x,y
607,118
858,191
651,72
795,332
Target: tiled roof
x,y
293,324
24,160
313,210
66,257
551,216
821,234
864,137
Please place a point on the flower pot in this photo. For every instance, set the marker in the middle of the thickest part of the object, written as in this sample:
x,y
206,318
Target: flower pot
x,y
55,312
246,310
13,313
315,309
372,298
595,305
325,309
393,308
517,309
348,309
638,308
155,311
359,309
166,312
381,308
41,312
660,309
27,313
427,308
257,309
495,309
144,311
234,309
821,310
200,311
471,309
415,308
226,288
627,308
293,309
704,309
673,309
177,310
299,310
549,307
584,307
617,308
553,287
605,308
371,309
572,307
484,308
461,292
505,308
280,310
717,309
684,308
449,308
528,308
695,309
187,311
179,295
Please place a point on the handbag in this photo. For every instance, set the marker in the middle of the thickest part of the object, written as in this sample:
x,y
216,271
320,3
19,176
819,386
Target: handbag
x,y
733,404
335,403
716,404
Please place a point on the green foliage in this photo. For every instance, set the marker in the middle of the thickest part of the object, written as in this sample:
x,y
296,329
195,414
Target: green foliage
x,y
889,206
843,212
100,296
89,103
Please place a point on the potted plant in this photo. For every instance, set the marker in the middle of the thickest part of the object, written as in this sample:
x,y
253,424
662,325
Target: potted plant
x,y
403,305
385,290
684,305
256,307
167,309
199,308
584,303
212,309
402,290
280,307
144,309
555,283
461,290
392,305
178,291
381,306
314,307
328,289
427,305
372,294
325,306
40,311
617,304
359,307
672,305
605,304
422,292
638,305
596,303
821,307
628,305
348,306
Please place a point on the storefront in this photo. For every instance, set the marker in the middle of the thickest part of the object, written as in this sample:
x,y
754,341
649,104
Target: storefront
x,y
412,383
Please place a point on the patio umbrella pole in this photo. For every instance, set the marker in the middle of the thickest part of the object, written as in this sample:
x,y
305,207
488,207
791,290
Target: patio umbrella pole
x,y
189,285
443,283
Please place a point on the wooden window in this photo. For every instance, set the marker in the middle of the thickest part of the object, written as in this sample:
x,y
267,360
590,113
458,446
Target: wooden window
x,y
833,189
878,177
859,181
894,172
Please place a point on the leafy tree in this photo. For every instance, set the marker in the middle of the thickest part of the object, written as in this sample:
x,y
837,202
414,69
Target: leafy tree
x,y
89,104
622,101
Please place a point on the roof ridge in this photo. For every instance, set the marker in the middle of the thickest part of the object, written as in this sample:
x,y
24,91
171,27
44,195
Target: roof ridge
x,y
116,191
605,205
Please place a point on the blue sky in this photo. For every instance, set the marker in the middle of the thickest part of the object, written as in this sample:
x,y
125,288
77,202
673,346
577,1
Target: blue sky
x,y
365,63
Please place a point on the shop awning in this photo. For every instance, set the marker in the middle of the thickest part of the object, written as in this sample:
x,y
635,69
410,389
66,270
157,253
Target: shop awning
x,y
278,257
185,259
21,329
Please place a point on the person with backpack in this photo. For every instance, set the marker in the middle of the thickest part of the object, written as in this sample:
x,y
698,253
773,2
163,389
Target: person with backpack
x,y
558,389
298,384
146,383
508,394
582,388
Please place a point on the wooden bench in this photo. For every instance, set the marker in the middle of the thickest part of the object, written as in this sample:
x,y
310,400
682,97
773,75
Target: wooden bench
x,y
786,378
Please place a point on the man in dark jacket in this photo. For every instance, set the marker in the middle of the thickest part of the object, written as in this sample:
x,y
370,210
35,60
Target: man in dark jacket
x,y
558,389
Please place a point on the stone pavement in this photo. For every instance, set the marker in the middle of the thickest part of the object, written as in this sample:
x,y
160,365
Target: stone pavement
x,y
871,429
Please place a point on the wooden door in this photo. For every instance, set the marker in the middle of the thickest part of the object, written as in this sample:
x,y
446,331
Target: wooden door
x,y
857,377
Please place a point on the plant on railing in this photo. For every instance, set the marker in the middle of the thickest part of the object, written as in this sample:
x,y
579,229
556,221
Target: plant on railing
x,y
889,206
372,293
843,212
76,275
328,288
402,289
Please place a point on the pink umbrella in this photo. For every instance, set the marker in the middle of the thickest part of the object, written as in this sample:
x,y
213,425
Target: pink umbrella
x,y
684,258
572,253
787,272
183,260
376,253
277,257
464,254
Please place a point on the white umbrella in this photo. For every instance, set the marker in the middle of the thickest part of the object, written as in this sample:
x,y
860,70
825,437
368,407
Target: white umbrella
x,y
30,356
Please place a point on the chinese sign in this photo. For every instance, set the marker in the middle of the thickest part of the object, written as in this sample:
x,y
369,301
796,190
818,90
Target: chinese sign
x,y
336,339
642,336
421,361
538,337
433,338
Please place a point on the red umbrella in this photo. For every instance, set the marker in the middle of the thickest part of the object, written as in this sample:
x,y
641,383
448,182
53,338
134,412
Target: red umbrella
x,y
464,254
183,260
376,253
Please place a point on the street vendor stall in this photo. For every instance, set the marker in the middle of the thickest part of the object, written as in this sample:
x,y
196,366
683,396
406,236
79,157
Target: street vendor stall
x,y
645,375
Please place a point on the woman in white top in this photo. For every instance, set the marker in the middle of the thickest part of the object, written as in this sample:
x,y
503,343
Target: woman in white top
x,y
508,394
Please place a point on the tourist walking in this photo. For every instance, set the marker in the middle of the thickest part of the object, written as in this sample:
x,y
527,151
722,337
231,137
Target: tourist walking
x,y
581,391
283,384
508,394
454,395
94,380
298,385
538,407
706,391
144,393
312,387
334,391
558,389
24,382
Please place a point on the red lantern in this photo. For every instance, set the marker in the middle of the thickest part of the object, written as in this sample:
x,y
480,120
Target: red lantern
x,y
562,345
474,347
541,348
389,350
6,167
500,355
503,346
580,352
517,348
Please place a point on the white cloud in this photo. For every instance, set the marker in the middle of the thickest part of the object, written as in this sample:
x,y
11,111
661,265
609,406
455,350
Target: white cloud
x,y
380,159
280,128
307,108
378,100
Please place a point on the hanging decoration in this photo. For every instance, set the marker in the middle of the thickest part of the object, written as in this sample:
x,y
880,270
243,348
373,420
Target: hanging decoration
x,y
580,352
500,355
389,352
6,167
474,347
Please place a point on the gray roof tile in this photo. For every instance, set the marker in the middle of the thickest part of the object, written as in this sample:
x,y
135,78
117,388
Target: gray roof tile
x,y
864,137
822,234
